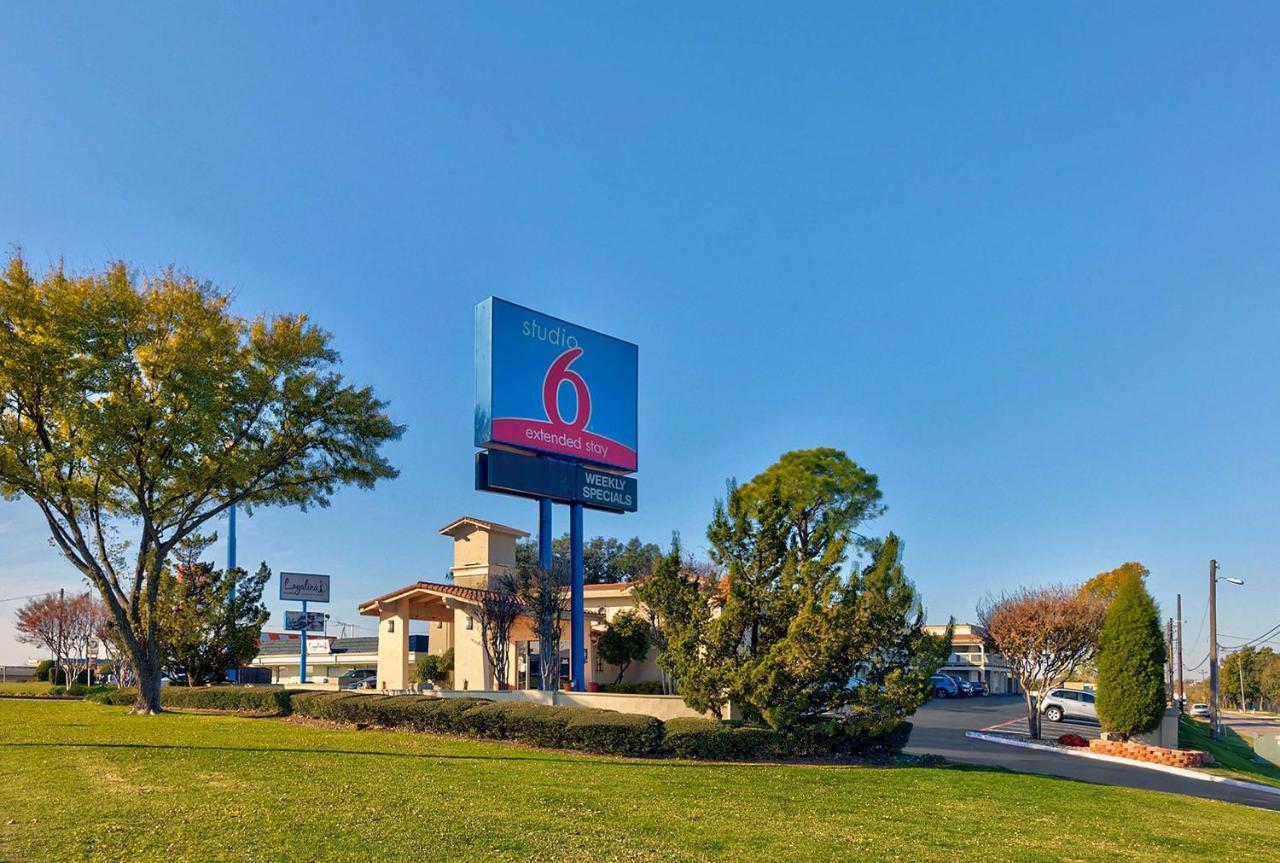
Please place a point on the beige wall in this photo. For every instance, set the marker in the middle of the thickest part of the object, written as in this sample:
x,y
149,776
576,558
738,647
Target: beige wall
x,y
393,646
661,706
470,668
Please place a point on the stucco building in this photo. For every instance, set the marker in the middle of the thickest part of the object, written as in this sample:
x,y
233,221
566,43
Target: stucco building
x,y
483,551
971,659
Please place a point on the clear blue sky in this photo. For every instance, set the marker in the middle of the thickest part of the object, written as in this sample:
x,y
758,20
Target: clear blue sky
x,y
1023,265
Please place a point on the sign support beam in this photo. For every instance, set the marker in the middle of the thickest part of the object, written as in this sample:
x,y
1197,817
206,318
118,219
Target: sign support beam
x,y
544,533
577,613
302,655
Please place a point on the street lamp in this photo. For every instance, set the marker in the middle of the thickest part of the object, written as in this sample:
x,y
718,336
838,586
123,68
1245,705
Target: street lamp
x,y
1215,719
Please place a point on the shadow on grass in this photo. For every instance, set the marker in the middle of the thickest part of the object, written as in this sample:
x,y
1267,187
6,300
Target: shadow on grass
x,y
530,756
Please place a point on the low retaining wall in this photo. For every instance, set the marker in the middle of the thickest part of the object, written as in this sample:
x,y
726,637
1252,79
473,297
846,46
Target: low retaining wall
x,y
1155,754
662,707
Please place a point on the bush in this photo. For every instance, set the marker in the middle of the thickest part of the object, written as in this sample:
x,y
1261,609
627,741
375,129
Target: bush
x,y
832,737
720,741
43,667
240,699
114,697
77,690
612,733
1072,740
643,687
581,728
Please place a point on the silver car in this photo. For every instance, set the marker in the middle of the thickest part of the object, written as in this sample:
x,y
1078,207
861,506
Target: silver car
x,y
1069,704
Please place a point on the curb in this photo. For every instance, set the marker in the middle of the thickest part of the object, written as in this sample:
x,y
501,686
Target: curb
x,y
1145,765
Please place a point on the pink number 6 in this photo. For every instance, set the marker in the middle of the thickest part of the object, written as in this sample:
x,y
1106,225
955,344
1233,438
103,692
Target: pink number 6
x,y
558,374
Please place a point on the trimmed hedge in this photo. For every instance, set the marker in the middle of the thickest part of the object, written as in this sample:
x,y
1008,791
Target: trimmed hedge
x,y
585,729
722,741
239,699
580,728
727,741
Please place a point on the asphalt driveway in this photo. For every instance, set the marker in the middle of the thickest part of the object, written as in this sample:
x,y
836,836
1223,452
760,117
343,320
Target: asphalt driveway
x,y
940,728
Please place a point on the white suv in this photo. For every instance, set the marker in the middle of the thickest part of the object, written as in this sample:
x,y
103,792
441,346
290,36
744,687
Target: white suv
x,y
1069,703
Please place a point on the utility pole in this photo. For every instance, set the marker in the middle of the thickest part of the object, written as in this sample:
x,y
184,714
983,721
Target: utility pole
x,y
1215,724
1168,665
1240,666
1214,720
1182,693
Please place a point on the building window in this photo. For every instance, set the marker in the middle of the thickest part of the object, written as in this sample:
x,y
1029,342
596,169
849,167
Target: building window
x,y
391,626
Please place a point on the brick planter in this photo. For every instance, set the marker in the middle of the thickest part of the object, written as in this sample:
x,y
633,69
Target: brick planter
x,y
1154,754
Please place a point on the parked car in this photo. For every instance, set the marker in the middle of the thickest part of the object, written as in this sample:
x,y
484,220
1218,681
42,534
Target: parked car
x,y
359,678
1200,711
966,688
979,687
944,686
1068,704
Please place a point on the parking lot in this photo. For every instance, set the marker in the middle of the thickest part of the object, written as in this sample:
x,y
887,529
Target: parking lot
x,y
941,725
1085,728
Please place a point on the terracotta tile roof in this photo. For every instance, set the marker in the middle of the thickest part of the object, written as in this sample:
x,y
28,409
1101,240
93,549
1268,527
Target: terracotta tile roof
x,y
470,594
491,526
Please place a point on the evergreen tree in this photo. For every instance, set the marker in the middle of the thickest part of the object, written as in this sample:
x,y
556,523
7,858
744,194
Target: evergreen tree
x,y
1131,657
785,633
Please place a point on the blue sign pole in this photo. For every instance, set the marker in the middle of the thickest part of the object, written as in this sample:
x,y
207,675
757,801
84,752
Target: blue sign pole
x,y
233,674
302,655
544,533
578,652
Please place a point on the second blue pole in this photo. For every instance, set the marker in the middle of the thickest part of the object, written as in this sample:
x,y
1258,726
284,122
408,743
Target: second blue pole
x,y
577,611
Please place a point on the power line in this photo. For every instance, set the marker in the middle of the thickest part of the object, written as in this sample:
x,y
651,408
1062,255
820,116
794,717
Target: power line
x,y
28,596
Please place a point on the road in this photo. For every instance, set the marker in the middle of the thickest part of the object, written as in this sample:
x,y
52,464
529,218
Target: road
x,y
940,728
1244,723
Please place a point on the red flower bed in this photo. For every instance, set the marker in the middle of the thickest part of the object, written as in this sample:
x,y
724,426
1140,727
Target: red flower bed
x,y
1072,740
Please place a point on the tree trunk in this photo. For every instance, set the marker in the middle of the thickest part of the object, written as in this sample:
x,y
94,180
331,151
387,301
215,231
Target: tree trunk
x,y
147,669
148,701
1033,715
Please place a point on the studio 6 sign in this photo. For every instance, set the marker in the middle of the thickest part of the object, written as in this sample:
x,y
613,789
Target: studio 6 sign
x,y
547,385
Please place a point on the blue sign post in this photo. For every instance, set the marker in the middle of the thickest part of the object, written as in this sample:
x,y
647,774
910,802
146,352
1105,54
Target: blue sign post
x,y
566,395
307,587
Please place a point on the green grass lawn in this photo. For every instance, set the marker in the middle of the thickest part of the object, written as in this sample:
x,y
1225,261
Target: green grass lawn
x,y
88,782
24,687
1233,755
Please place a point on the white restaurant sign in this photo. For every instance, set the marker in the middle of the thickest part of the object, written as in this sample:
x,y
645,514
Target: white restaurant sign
x,y
304,586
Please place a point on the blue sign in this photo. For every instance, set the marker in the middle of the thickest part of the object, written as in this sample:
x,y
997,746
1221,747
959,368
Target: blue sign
x,y
561,481
549,386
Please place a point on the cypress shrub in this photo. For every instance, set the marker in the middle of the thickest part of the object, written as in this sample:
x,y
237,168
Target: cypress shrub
x,y
1131,658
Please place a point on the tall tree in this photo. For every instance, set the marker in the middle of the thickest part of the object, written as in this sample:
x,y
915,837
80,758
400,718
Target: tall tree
x,y
545,596
625,640
1105,585
43,621
204,630
605,560
826,493
1131,659
790,632
84,620
1043,633
678,601
134,411
499,609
